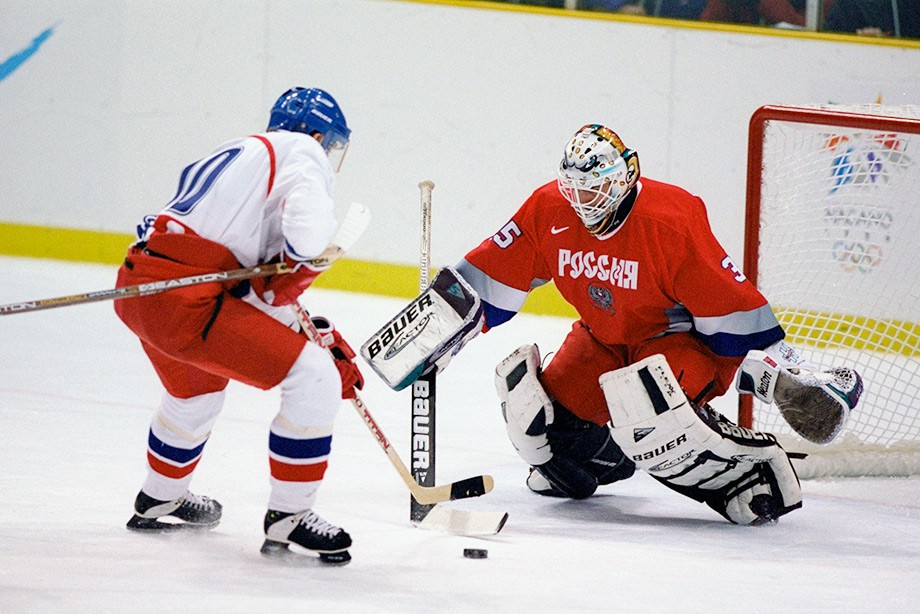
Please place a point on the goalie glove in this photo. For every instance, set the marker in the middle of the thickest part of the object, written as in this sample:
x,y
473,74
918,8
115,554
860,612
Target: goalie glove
x,y
427,333
743,475
815,403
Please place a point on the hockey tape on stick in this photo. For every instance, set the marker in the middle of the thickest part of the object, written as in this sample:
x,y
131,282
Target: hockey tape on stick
x,y
425,249
426,495
352,227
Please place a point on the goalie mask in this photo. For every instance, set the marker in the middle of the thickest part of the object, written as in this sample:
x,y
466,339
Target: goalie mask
x,y
596,175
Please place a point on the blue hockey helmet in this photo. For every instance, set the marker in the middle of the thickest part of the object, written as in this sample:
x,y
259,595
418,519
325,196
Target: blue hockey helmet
x,y
313,111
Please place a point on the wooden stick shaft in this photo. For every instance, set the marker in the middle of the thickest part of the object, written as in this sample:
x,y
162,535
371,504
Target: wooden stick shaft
x,y
426,495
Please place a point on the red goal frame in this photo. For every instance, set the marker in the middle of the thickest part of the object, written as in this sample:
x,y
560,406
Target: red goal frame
x,y
756,130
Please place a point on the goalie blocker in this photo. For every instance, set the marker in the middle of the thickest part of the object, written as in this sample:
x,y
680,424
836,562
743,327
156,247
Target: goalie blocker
x,y
743,475
427,333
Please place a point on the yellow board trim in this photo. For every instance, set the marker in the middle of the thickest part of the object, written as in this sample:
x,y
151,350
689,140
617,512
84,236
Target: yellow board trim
x,y
687,24
350,275
823,330
63,243
398,280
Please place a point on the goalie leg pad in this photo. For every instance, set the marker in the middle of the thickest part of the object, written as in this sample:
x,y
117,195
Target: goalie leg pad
x,y
742,474
529,414
526,407
427,332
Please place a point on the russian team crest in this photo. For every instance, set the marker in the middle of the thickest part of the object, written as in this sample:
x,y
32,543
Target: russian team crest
x,y
602,298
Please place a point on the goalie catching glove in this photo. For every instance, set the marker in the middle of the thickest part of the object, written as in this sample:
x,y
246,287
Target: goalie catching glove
x,y
815,403
743,475
427,333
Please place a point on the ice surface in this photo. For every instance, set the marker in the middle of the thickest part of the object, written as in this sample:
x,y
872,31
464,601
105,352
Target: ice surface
x,y
76,395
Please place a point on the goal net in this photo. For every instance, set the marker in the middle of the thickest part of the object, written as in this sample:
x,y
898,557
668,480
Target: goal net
x,y
832,239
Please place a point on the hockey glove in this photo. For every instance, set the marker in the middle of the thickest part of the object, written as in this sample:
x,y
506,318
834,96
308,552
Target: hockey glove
x,y
286,288
343,356
815,403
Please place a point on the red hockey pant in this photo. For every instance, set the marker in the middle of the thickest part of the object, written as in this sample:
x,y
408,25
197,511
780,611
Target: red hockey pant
x,y
572,374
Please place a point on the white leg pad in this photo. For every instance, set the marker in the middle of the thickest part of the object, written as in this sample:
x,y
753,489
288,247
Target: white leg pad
x,y
526,407
698,454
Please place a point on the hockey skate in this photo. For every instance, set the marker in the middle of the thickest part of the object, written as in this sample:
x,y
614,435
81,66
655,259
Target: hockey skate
x,y
188,511
540,485
308,531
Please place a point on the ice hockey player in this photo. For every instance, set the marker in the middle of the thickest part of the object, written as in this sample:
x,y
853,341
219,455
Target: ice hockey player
x,y
251,200
666,319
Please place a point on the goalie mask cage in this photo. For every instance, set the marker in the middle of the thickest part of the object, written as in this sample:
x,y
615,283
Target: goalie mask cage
x,y
832,239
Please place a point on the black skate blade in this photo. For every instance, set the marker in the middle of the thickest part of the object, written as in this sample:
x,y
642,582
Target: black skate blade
x,y
152,525
281,552
335,558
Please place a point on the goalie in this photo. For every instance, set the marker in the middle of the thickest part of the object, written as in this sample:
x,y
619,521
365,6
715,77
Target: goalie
x,y
666,320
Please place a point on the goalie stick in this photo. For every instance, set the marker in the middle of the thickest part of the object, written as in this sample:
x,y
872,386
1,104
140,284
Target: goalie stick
x,y
463,522
352,227
426,495
424,391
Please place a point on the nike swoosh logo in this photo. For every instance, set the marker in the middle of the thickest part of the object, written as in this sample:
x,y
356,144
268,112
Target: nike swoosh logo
x,y
19,58
556,231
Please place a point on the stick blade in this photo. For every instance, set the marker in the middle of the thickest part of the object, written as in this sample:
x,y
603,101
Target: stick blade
x,y
356,221
463,522
471,487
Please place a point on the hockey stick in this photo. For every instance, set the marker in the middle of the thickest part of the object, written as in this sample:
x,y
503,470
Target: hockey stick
x,y
354,224
423,398
464,522
426,495
154,287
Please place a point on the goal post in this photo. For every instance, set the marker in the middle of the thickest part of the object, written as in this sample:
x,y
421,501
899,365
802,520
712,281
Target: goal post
x,y
832,239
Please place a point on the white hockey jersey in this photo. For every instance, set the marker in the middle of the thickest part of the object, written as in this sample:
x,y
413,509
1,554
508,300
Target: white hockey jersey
x,y
257,196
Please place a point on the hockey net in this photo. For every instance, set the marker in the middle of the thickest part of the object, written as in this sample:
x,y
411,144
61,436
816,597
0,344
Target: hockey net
x,y
832,239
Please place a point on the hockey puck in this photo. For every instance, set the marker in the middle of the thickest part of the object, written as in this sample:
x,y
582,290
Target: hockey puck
x,y
475,553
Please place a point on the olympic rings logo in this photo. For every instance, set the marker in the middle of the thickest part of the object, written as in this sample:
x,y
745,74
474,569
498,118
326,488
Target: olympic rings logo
x,y
857,256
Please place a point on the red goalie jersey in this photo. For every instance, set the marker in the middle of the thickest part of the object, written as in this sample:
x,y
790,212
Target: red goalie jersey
x,y
662,272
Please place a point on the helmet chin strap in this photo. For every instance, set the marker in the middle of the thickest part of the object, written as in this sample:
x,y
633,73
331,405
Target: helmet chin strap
x,y
608,227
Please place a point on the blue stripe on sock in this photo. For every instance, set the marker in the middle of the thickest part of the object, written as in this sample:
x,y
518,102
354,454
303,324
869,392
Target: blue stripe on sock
x,y
299,448
179,456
